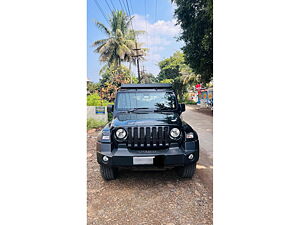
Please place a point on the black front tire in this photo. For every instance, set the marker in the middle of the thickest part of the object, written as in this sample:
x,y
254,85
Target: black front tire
x,y
186,171
108,173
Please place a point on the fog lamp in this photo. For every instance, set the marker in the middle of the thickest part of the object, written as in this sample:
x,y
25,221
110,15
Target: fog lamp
x,y
191,156
105,158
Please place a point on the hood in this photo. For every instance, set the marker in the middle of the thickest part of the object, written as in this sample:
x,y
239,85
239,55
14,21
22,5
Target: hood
x,y
146,119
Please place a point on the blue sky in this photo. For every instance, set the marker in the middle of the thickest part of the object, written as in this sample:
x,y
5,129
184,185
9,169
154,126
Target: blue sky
x,y
159,24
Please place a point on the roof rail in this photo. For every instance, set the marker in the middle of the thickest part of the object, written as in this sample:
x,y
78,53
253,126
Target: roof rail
x,y
145,86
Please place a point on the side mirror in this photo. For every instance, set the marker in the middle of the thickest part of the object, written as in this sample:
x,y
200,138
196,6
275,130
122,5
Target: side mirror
x,y
110,108
182,107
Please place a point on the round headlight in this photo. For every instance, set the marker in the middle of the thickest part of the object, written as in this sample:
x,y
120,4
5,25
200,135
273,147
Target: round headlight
x,y
175,132
121,133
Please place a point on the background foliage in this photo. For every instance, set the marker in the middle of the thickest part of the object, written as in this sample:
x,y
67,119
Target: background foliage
x,y
93,99
196,20
173,70
112,78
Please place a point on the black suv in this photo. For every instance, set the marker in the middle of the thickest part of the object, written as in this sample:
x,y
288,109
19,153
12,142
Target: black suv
x,y
147,131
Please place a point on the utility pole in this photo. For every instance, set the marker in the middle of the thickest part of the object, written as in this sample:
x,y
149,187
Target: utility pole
x,y
137,56
130,72
143,70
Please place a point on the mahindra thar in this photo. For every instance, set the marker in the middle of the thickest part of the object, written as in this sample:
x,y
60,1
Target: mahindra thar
x,y
147,131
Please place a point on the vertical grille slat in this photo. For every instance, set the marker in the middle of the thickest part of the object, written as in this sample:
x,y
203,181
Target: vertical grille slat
x,y
160,136
166,136
129,137
154,136
135,137
142,137
148,137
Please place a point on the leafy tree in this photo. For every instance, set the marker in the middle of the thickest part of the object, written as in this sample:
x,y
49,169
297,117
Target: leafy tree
x,y
167,81
196,20
112,78
92,87
147,78
173,70
120,41
170,67
189,77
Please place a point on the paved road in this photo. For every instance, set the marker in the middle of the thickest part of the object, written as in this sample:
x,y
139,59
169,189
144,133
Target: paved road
x,y
203,124
153,197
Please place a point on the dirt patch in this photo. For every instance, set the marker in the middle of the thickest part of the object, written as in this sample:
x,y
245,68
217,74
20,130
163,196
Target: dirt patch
x,y
145,197
205,111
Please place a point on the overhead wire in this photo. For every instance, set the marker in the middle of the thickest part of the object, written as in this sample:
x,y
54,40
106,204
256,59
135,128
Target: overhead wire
x,y
131,5
122,7
125,7
108,6
111,2
128,7
134,34
101,10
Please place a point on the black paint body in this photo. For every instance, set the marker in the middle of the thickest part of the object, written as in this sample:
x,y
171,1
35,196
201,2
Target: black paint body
x,y
148,135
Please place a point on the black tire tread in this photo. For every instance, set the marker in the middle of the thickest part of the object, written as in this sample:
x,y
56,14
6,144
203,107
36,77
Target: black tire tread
x,y
187,171
108,173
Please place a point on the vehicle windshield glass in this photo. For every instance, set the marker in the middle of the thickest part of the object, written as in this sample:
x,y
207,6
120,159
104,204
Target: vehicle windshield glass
x,y
157,100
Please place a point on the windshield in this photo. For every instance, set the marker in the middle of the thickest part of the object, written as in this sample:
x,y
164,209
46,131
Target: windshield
x,y
157,100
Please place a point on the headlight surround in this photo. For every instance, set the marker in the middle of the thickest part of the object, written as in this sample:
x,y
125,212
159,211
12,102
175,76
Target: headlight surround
x,y
121,133
175,132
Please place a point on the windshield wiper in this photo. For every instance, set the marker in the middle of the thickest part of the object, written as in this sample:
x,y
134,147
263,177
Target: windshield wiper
x,y
135,109
162,110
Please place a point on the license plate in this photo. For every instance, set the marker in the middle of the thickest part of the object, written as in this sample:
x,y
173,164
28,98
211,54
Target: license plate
x,y
143,160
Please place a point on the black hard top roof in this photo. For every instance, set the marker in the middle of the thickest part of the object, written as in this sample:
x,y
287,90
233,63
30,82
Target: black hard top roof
x,y
145,86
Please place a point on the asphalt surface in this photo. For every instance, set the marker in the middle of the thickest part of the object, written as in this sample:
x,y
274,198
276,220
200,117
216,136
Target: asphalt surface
x,y
153,197
202,122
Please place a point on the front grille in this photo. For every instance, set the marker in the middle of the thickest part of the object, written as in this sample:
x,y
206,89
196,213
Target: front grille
x,y
148,137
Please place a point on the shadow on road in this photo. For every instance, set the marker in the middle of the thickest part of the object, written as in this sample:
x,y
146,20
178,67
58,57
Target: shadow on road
x,y
149,179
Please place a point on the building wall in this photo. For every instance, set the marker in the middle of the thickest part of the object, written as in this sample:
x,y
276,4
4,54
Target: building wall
x,y
97,112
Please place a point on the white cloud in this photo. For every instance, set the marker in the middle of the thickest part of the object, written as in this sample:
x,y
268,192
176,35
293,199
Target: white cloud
x,y
155,57
159,36
165,27
157,33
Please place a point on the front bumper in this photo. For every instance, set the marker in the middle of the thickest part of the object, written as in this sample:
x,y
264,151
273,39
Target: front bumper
x,y
170,157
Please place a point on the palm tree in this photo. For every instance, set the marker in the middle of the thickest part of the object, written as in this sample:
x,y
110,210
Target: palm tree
x,y
120,42
188,77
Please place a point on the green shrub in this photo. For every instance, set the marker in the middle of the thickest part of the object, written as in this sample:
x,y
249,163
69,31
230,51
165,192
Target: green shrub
x,y
93,100
95,124
110,116
105,103
190,102
167,81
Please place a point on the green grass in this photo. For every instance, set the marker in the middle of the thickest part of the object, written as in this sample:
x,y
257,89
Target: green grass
x,y
94,124
190,102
